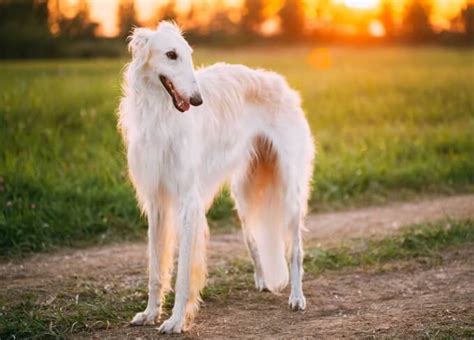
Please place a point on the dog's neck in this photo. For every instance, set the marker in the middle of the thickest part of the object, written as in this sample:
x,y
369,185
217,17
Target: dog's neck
x,y
151,95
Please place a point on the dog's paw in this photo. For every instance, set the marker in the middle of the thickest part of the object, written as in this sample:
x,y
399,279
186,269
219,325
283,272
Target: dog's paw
x,y
260,283
172,325
297,302
144,318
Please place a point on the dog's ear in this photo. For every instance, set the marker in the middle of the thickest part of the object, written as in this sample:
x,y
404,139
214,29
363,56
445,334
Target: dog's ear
x,y
138,44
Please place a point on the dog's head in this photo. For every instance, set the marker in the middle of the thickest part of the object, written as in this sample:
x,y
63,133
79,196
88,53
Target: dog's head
x,y
166,59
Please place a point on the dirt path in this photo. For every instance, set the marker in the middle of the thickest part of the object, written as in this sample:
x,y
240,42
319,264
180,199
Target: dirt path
x,y
323,229
411,301
372,295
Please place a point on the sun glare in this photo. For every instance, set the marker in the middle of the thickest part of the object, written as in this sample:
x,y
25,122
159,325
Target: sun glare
x,y
104,11
362,4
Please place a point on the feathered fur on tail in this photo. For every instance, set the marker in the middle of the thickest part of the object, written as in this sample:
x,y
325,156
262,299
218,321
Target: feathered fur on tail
x,y
269,236
259,197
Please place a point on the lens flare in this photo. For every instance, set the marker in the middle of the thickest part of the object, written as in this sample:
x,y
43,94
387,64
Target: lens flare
x,y
376,29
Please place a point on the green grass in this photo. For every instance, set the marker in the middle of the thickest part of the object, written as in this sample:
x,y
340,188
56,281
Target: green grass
x,y
389,123
422,241
84,307
90,309
448,331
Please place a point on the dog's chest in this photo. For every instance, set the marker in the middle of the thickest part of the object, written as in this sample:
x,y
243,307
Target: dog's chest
x,y
157,154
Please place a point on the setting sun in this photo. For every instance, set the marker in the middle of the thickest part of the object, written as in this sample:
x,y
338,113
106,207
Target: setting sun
x,y
104,12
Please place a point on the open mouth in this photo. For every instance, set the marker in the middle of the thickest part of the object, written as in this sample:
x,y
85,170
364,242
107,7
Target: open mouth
x,y
179,102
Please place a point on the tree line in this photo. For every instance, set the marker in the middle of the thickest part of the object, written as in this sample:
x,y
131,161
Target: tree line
x,y
36,28
416,24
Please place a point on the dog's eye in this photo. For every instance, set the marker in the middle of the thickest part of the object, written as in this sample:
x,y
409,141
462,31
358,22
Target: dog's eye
x,y
172,55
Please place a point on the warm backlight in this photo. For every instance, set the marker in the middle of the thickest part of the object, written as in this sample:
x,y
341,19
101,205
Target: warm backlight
x,y
362,4
104,11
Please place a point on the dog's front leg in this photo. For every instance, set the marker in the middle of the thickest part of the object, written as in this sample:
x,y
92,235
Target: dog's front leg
x,y
189,215
156,238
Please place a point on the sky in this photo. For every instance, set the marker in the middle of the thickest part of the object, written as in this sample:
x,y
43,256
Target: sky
x,y
104,11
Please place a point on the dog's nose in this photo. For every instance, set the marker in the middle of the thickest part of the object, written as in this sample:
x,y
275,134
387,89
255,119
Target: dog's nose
x,y
196,100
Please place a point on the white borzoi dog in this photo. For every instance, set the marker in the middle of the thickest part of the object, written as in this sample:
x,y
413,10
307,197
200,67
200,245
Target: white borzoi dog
x,y
188,132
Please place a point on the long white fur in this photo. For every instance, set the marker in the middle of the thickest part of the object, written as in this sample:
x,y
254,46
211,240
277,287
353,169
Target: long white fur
x,y
250,131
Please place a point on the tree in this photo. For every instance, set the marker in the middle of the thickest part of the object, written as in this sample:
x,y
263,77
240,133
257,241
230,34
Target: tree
x,y
321,8
30,10
191,15
386,17
25,12
467,15
126,17
252,15
24,29
168,12
292,19
416,21
79,26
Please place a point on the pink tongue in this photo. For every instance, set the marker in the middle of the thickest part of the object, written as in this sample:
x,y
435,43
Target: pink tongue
x,y
185,106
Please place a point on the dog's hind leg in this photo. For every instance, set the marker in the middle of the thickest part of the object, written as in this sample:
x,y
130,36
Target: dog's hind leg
x,y
297,300
241,203
295,180
296,171
253,250
161,239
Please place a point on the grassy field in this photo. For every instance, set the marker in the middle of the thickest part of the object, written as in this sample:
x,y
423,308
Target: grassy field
x,y
389,123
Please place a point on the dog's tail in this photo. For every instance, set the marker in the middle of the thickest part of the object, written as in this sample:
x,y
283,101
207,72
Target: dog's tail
x,y
269,234
259,195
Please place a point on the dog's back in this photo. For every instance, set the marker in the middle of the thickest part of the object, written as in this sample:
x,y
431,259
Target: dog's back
x,y
239,84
